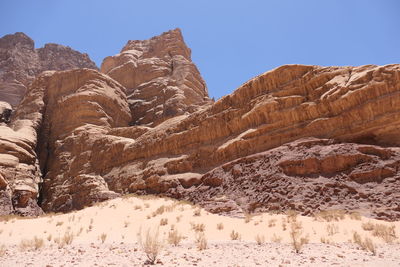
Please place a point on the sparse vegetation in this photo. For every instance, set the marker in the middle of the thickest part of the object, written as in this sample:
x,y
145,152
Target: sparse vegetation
x,y
36,244
260,239
201,241
332,229
235,235
151,244
174,238
330,215
296,237
368,226
387,233
355,215
367,244
199,227
276,239
220,226
3,250
197,212
59,223
248,218
103,237
271,222
163,221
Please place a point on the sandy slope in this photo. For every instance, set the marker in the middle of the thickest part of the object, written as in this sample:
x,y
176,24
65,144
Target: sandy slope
x,y
120,220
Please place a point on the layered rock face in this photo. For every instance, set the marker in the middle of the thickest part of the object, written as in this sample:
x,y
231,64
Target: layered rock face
x,y
308,175
160,78
20,62
245,152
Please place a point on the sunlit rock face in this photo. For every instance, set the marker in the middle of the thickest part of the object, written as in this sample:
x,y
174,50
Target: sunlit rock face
x,y
145,125
20,62
160,78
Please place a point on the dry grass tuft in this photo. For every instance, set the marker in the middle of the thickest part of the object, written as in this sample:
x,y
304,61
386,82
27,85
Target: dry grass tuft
x,y
367,244
163,221
201,241
3,250
151,244
332,229
387,233
235,235
260,239
355,215
103,237
276,239
197,212
174,238
220,226
296,231
36,244
271,222
200,227
368,226
330,215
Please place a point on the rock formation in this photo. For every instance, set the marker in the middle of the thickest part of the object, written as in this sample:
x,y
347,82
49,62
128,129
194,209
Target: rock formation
x,y
160,78
146,125
20,62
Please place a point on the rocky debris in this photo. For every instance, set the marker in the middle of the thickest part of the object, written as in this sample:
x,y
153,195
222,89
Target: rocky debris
x,y
5,112
308,175
20,62
160,78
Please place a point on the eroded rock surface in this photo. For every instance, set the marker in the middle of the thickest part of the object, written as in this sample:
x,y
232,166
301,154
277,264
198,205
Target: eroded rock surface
x,y
307,175
74,129
20,62
160,78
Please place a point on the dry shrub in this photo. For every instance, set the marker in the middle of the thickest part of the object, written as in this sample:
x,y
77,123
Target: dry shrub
x,y
200,227
174,238
296,231
103,237
368,226
355,216
291,215
220,226
235,235
201,241
248,218
138,207
163,221
160,210
367,244
59,223
271,223
151,244
3,250
197,212
36,243
330,215
276,239
65,240
387,233
326,240
332,229
260,239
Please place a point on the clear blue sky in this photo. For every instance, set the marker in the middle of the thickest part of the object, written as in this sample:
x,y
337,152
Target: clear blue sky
x,y
231,41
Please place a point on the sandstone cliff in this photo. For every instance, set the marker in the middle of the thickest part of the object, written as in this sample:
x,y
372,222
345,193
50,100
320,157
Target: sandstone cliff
x,y
160,78
183,145
20,62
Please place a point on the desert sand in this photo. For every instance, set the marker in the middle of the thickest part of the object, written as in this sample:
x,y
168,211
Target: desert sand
x,y
107,234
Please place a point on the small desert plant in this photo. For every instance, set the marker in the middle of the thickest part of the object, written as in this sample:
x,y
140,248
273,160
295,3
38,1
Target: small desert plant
x,y
368,226
296,236
178,218
49,237
326,240
355,216
291,215
235,235
174,238
248,218
163,221
201,241
271,223
137,207
332,229
160,210
151,244
66,239
220,226
36,243
3,250
197,212
365,244
59,223
103,237
260,239
387,233
330,215
200,227
276,239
